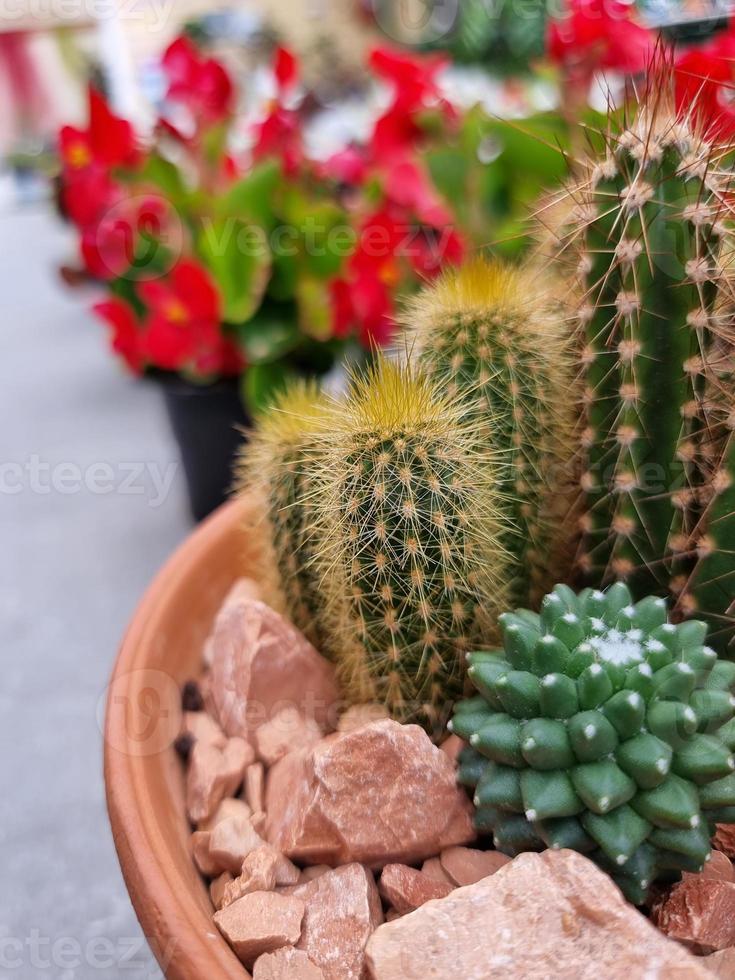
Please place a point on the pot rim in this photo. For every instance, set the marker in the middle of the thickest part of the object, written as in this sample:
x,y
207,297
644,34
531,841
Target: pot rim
x,y
183,938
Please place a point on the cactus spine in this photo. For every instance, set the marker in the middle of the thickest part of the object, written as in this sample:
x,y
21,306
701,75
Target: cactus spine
x,y
409,531
278,463
602,727
488,335
652,235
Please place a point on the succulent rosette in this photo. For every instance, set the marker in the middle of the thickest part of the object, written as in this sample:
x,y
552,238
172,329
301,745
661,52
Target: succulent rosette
x,y
605,728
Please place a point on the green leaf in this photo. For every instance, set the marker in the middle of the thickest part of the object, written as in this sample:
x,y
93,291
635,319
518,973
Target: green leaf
x,y
238,256
315,311
166,176
262,382
449,169
271,334
252,197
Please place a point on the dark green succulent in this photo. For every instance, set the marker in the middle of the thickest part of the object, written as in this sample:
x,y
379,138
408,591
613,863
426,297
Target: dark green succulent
x,y
604,728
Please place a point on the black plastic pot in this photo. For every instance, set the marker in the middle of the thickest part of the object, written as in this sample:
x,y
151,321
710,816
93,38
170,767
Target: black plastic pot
x,y
207,421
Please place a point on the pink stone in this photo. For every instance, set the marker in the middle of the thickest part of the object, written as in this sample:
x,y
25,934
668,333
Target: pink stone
x,y
724,839
260,923
286,964
545,915
342,910
700,912
433,869
228,808
258,875
722,963
719,868
465,865
315,871
453,745
285,731
261,664
202,858
230,843
382,794
255,787
213,774
361,714
407,889
203,728
217,888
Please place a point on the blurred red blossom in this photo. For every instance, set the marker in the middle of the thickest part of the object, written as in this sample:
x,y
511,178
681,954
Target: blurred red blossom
x,y
200,83
183,327
594,35
126,335
705,84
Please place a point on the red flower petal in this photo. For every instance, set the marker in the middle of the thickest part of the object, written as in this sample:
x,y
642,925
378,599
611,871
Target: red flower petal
x,y
285,68
126,335
112,138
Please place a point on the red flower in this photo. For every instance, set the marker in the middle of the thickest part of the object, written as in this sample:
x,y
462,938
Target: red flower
x,y
348,166
183,326
88,194
279,134
597,34
201,84
88,155
126,332
415,89
108,140
112,246
705,84
414,79
286,70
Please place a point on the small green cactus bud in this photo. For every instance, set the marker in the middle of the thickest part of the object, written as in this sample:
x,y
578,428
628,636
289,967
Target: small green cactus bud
x,y
628,759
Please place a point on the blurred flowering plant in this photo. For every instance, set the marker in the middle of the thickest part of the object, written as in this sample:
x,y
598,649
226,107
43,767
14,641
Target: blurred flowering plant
x,y
593,36
705,78
257,262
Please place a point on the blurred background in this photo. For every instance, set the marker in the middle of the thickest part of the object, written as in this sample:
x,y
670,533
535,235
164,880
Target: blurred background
x,y
200,200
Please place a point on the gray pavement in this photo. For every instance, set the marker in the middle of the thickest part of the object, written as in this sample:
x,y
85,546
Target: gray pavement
x,y
84,525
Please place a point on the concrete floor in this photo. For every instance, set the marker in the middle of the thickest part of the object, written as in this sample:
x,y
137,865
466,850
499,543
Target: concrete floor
x,y
83,529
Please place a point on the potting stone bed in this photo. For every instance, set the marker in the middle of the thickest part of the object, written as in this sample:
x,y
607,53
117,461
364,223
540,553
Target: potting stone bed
x,y
338,845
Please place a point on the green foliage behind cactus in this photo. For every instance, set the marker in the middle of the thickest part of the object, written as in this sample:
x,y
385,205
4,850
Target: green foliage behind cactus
x,y
408,532
604,728
490,335
278,463
652,239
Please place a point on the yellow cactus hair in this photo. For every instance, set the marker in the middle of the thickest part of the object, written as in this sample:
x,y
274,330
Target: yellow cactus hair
x,y
408,521
276,466
493,335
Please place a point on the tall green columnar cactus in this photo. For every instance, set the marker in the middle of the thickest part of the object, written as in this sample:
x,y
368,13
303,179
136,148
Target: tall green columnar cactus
x,y
278,464
409,531
652,237
491,334
604,728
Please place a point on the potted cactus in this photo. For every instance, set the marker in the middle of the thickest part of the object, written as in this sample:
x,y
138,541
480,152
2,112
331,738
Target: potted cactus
x,y
428,532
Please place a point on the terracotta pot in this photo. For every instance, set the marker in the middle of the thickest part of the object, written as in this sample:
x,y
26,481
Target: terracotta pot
x,y
143,774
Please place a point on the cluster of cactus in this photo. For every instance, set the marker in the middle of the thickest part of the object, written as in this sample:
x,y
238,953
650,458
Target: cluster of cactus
x,y
650,234
604,728
500,347
384,520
